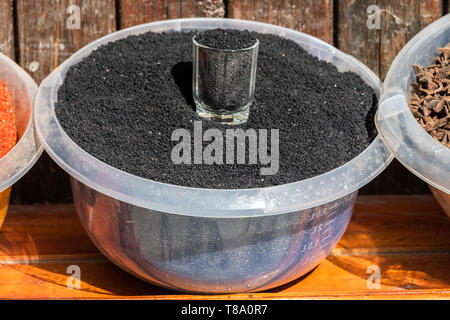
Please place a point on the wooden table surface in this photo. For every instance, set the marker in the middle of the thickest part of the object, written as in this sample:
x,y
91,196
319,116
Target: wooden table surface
x,y
407,237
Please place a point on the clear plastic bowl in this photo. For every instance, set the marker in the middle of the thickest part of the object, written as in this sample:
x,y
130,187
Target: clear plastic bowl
x,y
210,240
28,148
410,143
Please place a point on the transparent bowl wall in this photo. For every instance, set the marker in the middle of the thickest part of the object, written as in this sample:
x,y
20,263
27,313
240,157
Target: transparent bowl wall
x,y
410,143
28,149
209,240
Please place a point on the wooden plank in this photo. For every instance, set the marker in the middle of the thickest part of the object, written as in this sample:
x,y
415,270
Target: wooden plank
x,y
348,274
354,35
42,233
46,38
189,8
386,224
99,279
134,12
377,46
337,277
401,21
379,224
405,236
6,28
312,17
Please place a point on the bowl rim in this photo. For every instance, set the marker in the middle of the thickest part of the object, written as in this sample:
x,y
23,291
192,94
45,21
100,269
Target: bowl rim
x,y
250,202
392,92
27,140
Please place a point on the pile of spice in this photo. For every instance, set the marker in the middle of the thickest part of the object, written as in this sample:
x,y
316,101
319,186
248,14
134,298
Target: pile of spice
x,y
430,103
8,131
226,39
123,102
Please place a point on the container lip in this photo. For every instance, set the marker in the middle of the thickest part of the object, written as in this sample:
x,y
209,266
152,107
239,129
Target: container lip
x,y
239,202
409,167
198,44
393,89
27,142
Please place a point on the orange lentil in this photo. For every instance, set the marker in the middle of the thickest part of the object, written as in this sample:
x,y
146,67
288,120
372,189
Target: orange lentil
x,y
8,130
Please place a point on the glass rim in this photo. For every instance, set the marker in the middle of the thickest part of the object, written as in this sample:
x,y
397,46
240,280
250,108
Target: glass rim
x,y
198,44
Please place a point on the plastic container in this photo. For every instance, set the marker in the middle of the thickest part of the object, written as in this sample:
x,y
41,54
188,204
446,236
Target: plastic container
x,y
209,240
28,149
410,143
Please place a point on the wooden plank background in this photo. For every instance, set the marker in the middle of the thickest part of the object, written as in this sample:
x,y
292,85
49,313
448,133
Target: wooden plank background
x,y
405,236
6,28
35,34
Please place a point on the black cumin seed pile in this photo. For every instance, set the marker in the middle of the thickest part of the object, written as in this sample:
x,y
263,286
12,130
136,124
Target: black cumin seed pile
x,y
226,39
122,103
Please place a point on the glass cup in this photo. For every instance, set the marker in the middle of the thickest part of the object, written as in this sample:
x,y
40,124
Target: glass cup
x,y
223,82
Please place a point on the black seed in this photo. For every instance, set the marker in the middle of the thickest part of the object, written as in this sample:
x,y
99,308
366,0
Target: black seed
x,y
325,117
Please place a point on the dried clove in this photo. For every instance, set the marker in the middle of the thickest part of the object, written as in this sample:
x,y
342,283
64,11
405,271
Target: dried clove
x,y
430,102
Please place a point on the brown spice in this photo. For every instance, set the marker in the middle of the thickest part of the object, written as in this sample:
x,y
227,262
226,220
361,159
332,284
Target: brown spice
x,y
430,102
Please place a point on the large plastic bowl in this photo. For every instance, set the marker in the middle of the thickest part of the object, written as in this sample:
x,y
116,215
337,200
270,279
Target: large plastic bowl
x,y
28,148
410,143
209,240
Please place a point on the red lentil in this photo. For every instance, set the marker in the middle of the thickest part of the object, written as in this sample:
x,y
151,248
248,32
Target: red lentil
x,y
8,130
